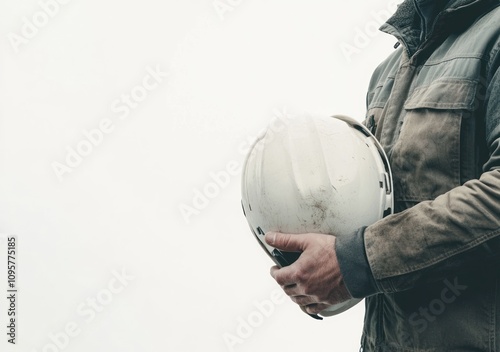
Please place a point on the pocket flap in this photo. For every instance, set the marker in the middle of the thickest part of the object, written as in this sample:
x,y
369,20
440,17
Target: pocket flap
x,y
444,94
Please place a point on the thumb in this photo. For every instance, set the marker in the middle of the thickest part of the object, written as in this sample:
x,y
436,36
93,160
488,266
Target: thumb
x,y
286,242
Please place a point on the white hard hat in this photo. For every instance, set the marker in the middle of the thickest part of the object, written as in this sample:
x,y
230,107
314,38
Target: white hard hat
x,y
315,174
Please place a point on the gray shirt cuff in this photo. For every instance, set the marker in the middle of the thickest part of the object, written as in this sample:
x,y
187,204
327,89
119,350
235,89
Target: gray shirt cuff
x,y
354,265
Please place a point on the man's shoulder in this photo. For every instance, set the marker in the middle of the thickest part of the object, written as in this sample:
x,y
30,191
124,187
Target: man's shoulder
x,y
386,69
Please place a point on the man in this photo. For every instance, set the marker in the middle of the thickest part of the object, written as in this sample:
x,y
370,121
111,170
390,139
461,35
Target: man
x,y
430,273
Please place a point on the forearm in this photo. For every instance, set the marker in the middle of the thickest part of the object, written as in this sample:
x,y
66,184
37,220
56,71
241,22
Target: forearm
x,y
435,238
456,231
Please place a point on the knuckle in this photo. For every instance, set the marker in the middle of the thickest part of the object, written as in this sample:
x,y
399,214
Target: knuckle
x,y
300,300
308,291
289,289
301,274
284,240
280,281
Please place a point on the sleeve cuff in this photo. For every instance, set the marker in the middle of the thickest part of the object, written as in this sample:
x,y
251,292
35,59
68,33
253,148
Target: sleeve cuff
x,y
354,265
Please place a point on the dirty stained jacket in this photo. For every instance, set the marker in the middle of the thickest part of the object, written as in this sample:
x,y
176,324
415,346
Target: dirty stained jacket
x,y
431,271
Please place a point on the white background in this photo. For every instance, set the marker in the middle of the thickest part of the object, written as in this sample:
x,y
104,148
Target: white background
x,y
195,278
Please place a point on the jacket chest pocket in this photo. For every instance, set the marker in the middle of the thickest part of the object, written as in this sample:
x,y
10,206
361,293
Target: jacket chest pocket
x,y
436,140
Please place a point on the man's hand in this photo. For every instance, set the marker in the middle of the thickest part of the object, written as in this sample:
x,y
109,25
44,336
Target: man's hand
x,y
314,281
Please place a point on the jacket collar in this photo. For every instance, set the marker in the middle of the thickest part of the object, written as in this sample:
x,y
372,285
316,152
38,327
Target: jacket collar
x,y
428,10
445,17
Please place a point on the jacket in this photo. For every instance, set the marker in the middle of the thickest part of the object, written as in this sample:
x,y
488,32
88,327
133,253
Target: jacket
x,y
430,272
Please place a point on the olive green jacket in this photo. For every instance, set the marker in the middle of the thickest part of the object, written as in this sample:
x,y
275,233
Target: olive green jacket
x,y
431,271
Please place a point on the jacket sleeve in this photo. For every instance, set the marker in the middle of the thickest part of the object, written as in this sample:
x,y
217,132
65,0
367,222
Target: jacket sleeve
x,y
457,231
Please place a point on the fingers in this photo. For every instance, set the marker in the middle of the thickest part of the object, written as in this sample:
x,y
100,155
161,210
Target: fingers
x,y
284,276
290,288
303,300
313,281
286,242
296,294
286,283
